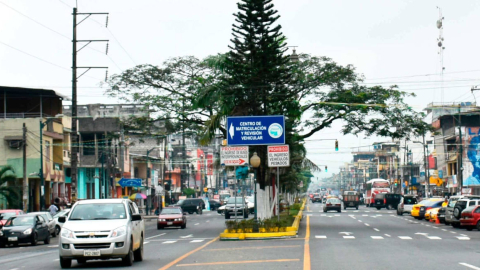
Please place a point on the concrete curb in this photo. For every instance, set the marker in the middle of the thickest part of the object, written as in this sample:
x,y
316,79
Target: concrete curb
x,y
290,232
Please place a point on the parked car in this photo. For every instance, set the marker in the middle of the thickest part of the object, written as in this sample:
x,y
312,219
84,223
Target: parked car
x,y
221,210
471,218
427,205
333,204
29,228
387,200
441,214
432,213
351,199
58,225
214,204
251,204
416,213
194,205
451,205
460,205
50,221
406,204
236,205
8,213
102,229
171,217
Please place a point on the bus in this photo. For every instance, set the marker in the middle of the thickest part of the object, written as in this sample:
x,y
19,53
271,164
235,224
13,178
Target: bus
x,y
374,187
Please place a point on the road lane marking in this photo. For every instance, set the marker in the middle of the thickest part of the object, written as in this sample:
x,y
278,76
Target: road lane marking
x,y
444,230
169,242
306,251
238,262
388,235
470,266
463,238
196,224
54,246
321,236
337,215
222,249
359,220
463,235
453,232
322,215
155,236
177,260
348,237
405,237
366,224
145,243
187,236
196,241
434,238
376,229
364,215
377,237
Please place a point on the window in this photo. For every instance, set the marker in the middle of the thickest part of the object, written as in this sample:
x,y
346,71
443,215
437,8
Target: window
x,y
41,219
477,210
471,203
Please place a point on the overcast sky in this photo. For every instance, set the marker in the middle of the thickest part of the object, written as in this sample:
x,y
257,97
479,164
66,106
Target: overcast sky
x,y
390,42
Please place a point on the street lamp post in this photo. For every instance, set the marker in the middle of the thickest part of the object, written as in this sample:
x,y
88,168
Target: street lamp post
x,y
255,162
427,180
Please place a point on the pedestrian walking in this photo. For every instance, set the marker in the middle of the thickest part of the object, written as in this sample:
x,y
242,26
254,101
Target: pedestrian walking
x,y
53,209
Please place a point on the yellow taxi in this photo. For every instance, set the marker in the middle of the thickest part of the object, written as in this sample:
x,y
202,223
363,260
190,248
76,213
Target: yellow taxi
x,y
431,214
419,210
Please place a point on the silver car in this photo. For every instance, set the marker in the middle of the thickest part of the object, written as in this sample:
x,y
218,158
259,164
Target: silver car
x,y
50,222
58,225
102,229
449,218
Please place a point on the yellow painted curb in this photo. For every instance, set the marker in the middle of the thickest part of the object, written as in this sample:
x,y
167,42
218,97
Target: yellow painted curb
x,y
290,232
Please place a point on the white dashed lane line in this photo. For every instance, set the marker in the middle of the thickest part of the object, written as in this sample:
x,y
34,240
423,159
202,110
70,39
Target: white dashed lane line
x,y
470,266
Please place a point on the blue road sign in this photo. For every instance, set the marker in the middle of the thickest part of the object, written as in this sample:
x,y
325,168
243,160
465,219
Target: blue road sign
x,y
256,130
134,182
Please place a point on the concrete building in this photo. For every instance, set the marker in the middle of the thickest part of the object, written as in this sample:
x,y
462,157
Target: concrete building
x,y
31,107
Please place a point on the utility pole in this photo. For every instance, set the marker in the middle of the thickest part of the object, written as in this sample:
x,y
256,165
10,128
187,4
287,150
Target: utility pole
x,y
74,135
184,152
427,180
25,179
460,156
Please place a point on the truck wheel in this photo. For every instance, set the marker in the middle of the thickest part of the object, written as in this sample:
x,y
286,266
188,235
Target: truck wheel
x,y
227,215
378,208
356,207
128,259
65,263
138,254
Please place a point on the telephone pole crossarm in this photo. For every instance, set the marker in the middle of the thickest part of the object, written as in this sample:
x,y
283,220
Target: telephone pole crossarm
x,y
90,41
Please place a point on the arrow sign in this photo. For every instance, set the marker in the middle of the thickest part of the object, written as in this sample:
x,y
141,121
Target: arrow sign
x,y
133,182
346,233
256,130
234,156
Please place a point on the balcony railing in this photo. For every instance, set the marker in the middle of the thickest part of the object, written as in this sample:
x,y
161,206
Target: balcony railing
x,y
23,115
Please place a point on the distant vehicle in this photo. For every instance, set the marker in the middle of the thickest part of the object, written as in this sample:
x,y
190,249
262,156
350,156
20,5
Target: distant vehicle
x,y
100,230
194,205
58,225
387,200
375,186
460,205
449,218
236,205
406,204
332,204
221,210
171,217
214,204
224,195
471,218
8,213
29,228
419,210
50,222
351,199
316,198
441,214
251,204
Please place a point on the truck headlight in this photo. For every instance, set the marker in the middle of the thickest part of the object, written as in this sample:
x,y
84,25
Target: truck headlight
x,y
27,231
66,233
119,231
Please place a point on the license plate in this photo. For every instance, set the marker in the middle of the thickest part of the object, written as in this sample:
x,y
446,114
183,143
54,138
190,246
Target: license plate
x,y
91,253
12,239
378,202
441,216
352,204
169,223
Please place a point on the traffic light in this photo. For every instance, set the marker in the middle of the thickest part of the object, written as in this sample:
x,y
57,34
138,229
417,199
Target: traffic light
x,y
336,145
205,190
326,169
396,183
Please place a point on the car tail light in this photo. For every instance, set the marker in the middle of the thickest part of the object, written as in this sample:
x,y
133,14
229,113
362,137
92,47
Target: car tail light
x,y
384,201
356,199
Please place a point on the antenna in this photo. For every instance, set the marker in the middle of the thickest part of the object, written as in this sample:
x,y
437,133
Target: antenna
x,y
441,48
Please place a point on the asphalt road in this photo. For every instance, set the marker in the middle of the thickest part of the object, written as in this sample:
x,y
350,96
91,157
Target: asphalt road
x,y
353,239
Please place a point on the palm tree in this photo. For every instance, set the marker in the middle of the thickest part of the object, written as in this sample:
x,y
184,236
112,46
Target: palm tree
x,y
9,193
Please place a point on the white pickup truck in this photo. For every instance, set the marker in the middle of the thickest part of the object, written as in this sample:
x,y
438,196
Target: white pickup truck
x,y
102,229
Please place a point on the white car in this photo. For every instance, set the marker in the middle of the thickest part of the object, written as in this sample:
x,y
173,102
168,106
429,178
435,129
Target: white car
x,y
58,225
102,229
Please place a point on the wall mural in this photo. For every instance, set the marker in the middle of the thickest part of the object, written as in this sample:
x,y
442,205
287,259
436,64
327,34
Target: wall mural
x,y
471,165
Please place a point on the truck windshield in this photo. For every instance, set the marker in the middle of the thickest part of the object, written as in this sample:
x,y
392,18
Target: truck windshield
x,y
98,211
